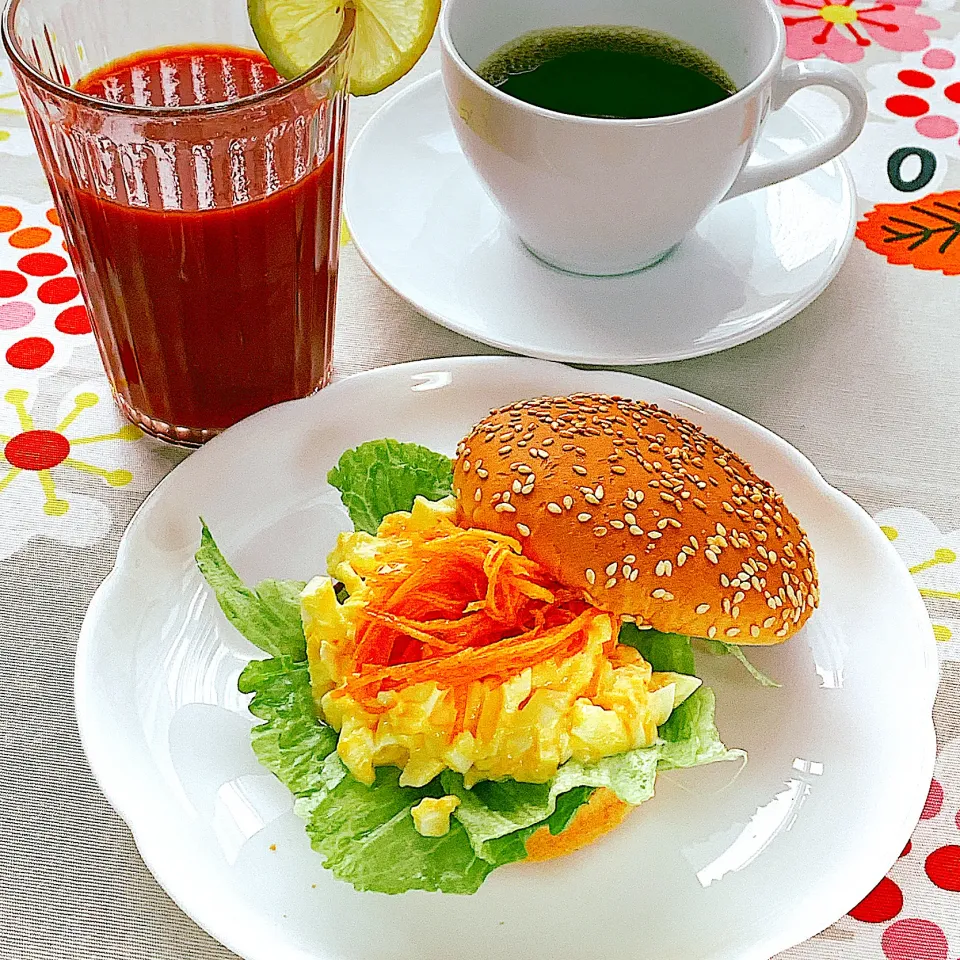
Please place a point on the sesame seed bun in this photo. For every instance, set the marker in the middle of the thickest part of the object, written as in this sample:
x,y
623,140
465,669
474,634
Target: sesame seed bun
x,y
651,517
601,813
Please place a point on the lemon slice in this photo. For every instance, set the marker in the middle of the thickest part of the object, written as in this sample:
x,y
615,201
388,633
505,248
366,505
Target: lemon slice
x,y
389,39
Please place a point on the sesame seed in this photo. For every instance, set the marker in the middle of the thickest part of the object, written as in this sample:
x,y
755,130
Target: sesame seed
x,y
732,631
669,497
568,502
517,486
554,508
599,531
582,471
654,535
584,517
681,559
664,568
635,530
738,596
505,508
543,454
591,499
769,622
754,631
591,576
483,473
504,450
477,495
524,470
617,524
527,488
598,492
662,524
659,593
523,530
618,470
466,466
611,569
711,556
711,632
630,518
612,582
697,502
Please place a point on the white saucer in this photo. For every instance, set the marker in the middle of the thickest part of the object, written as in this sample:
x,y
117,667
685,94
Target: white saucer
x,y
423,223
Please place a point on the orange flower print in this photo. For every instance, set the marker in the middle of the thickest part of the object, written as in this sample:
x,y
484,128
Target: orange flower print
x,y
924,234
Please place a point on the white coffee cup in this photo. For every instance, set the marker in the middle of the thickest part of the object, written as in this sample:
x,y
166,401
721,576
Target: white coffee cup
x,y
605,196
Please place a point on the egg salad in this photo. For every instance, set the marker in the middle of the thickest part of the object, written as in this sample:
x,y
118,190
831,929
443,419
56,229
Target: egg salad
x,y
452,651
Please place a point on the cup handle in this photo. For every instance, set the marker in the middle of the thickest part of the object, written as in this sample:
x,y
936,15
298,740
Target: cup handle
x,y
793,77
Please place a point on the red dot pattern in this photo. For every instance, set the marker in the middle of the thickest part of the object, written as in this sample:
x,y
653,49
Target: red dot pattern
x,y
914,939
952,92
12,284
883,903
907,848
934,801
37,450
907,105
59,290
42,264
73,320
943,868
29,353
916,78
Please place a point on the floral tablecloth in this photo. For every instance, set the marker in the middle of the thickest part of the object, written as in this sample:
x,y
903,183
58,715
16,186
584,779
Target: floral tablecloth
x,y
866,382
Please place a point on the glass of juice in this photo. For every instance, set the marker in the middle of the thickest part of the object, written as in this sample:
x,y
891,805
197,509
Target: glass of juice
x,y
200,197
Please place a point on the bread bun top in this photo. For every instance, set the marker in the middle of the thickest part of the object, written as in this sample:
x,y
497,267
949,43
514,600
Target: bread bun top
x,y
648,515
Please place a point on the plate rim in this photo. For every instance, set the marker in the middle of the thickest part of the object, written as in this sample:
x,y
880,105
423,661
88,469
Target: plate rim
x,y
149,844
776,319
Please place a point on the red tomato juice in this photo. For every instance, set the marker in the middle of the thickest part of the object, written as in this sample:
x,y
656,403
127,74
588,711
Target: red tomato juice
x,y
206,315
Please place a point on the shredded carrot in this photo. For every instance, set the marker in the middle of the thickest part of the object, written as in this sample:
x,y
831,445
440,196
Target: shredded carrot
x,y
456,606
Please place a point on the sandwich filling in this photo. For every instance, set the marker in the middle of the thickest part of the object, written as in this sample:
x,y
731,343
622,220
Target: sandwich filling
x,y
454,651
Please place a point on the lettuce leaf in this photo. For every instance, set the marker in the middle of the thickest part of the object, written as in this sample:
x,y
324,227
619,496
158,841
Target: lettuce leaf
x,y
492,810
690,734
667,652
384,476
293,744
368,838
720,649
268,616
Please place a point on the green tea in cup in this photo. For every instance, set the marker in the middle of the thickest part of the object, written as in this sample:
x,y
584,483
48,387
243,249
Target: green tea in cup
x,y
617,72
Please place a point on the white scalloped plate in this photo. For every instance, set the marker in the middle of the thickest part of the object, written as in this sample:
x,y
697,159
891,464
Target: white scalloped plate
x,y
715,866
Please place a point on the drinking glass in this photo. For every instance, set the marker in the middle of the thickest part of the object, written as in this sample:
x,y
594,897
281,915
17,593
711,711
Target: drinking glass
x,y
203,227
